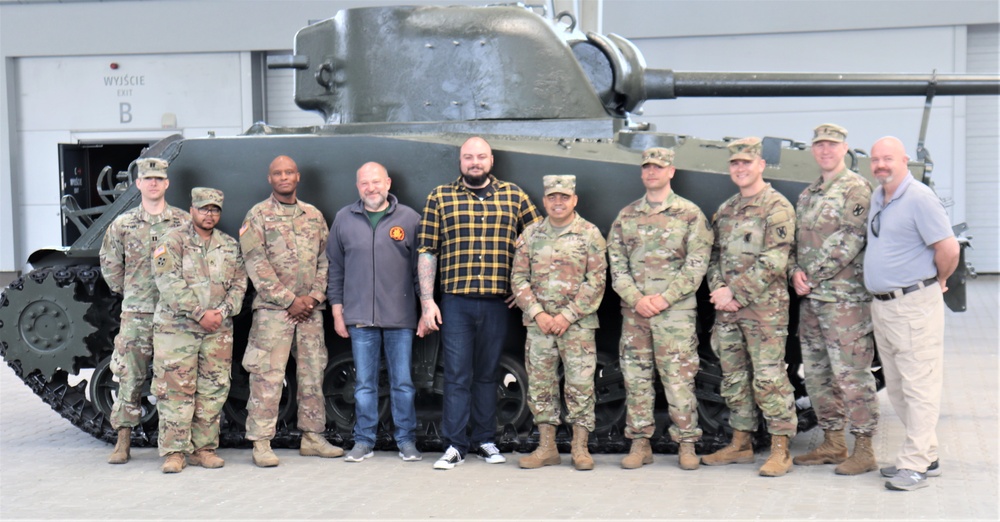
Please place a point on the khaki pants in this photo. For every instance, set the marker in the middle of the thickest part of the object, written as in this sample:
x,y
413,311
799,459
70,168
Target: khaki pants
x,y
909,332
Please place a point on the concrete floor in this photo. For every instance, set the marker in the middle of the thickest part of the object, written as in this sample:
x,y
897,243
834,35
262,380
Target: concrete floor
x,y
51,470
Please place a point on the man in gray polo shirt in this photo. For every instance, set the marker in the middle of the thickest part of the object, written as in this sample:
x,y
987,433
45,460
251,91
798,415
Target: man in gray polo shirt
x,y
911,252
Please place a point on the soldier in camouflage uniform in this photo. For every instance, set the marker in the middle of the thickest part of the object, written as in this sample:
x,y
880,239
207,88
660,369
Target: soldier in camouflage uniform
x,y
659,247
835,325
126,263
558,280
754,231
201,278
284,246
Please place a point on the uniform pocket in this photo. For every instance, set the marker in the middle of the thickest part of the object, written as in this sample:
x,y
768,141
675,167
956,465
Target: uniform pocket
x,y
256,360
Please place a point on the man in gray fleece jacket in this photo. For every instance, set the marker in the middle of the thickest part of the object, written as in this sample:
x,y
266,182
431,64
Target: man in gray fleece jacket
x,y
372,292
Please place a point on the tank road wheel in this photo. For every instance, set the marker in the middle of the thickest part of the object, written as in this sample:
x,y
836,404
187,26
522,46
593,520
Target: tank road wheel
x,y
103,390
512,393
42,323
234,411
609,395
609,392
338,387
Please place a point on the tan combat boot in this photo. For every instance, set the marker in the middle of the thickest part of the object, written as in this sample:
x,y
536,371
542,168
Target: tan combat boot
x,y
780,461
581,455
206,458
739,451
833,450
546,454
174,463
862,460
121,453
314,445
640,455
263,456
686,457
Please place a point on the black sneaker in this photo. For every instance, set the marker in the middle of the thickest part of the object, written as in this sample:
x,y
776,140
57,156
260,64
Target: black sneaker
x,y
489,452
932,471
450,459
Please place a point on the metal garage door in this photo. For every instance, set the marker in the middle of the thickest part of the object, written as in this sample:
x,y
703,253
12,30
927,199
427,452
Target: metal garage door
x,y
982,154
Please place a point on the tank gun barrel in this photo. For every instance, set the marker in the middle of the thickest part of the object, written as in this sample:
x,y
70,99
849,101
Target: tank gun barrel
x,y
668,84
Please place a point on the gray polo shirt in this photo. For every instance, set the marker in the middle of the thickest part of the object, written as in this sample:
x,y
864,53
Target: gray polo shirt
x,y
909,224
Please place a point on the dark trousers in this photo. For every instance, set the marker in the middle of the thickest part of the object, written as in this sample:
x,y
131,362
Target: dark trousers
x,y
472,336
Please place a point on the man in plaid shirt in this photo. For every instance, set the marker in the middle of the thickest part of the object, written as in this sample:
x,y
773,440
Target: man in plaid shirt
x,y
468,232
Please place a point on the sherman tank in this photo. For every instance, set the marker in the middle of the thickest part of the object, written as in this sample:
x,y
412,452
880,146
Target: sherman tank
x,y
405,87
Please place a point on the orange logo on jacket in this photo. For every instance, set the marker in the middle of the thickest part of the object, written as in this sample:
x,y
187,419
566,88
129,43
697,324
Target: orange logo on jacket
x,y
397,233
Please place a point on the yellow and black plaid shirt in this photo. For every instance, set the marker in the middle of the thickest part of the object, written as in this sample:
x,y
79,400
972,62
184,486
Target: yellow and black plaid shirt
x,y
474,238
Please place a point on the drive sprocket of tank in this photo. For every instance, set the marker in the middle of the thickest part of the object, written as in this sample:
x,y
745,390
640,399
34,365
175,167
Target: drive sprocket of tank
x,y
42,323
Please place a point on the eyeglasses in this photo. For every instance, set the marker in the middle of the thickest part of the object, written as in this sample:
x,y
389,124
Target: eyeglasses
x,y
876,223
216,211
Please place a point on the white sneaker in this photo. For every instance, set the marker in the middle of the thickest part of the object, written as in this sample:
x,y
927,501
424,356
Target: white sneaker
x,y
489,452
450,459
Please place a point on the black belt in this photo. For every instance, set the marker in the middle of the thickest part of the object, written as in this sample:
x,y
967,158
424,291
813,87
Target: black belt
x,y
903,291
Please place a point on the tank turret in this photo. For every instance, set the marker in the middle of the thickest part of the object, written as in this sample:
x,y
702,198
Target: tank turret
x,y
443,64
405,86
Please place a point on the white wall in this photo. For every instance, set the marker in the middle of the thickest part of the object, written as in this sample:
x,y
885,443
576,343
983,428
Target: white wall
x,y
95,99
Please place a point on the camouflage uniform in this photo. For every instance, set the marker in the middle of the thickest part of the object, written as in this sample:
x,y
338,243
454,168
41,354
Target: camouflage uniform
x,y
285,251
753,240
191,366
126,263
561,271
835,316
661,249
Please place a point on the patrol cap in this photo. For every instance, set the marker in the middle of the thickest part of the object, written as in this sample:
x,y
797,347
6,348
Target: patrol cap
x,y
559,184
658,156
829,132
152,168
204,196
745,149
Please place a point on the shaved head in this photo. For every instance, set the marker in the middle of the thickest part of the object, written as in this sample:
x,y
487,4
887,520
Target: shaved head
x,y
373,186
475,162
894,143
889,162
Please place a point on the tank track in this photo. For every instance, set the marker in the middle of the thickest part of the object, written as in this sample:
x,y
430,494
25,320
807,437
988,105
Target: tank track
x,y
72,376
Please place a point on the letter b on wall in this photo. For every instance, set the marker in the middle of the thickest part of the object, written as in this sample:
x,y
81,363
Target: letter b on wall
x,y
125,112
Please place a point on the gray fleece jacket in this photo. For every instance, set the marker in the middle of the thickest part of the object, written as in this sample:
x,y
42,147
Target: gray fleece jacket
x,y
373,273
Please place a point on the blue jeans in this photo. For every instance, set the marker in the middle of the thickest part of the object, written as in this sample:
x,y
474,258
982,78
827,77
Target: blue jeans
x,y
366,345
472,337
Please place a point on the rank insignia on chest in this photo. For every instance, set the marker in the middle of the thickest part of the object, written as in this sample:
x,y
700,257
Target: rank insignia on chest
x,y
747,237
858,209
397,233
781,232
